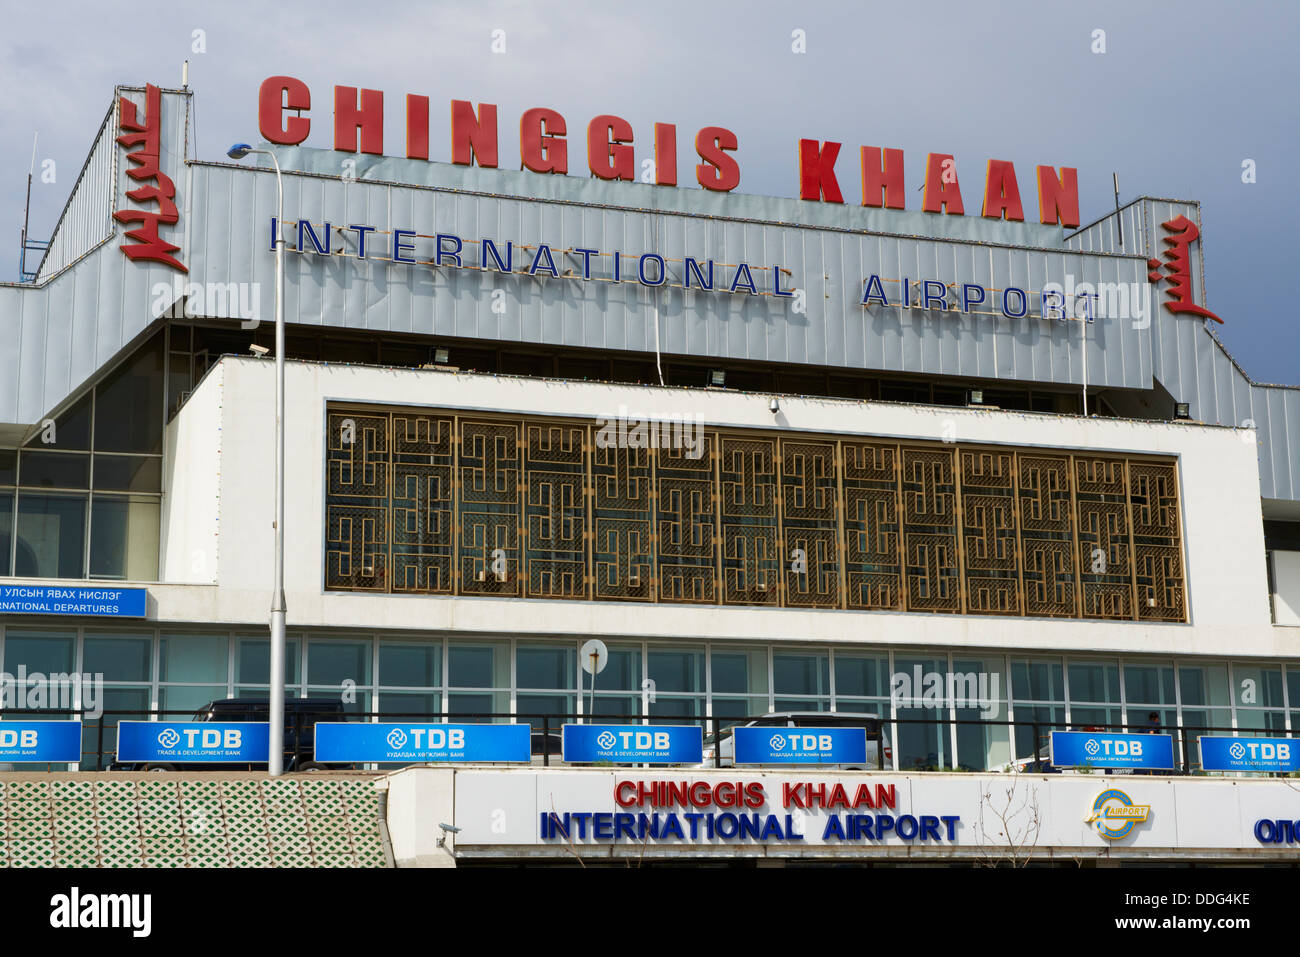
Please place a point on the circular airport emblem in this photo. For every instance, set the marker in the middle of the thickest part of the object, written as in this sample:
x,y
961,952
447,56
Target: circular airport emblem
x,y
777,742
1115,815
396,738
1092,747
169,738
606,740
1238,750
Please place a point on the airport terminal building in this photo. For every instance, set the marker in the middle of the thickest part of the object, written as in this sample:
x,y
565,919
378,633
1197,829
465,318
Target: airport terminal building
x,y
774,453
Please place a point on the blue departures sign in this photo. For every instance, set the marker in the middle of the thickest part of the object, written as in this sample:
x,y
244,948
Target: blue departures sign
x,y
633,743
237,742
350,743
1279,755
801,745
1103,749
56,600
52,741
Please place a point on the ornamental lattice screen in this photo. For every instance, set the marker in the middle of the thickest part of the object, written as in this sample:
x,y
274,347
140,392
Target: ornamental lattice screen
x,y
438,503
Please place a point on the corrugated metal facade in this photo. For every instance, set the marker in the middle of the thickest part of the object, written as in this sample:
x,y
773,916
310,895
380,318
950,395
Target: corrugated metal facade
x,y
58,332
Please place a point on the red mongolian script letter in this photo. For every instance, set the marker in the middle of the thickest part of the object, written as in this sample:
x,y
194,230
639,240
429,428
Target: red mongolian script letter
x,y
145,135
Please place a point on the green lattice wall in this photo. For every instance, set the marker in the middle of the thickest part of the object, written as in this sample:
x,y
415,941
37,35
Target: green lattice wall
x,y
189,820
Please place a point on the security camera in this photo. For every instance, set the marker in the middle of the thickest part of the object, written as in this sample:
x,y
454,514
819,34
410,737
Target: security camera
x,y
257,350
774,406
447,829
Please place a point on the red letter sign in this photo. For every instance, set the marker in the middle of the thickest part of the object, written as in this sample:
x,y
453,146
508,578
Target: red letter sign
x,y
817,171
1002,192
277,94
719,172
941,186
542,146
145,134
608,154
472,134
368,118
1058,199
882,182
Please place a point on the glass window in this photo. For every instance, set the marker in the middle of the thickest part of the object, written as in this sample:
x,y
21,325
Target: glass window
x,y
124,538
922,713
332,662
676,670
51,535
71,429
6,530
1256,686
118,657
410,665
8,466
193,658
54,470
801,674
622,672
118,704
1037,680
1203,685
677,707
480,665
253,665
560,708
129,404
1094,681
466,706
422,705
128,473
1148,684
862,676
356,701
547,666
613,706
44,652
185,700
979,701
740,672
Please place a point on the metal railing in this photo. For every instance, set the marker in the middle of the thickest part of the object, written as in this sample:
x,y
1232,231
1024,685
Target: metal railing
x,y
895,739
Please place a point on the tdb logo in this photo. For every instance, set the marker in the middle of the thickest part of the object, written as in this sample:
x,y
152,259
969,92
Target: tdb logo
x,y
1115,815
1261,751
606,740
811,742
777,742
635,740
396,738
1117,748
437,739
24,738
230,739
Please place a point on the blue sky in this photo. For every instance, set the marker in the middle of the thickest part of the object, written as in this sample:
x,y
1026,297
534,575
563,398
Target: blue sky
x,y
1184,93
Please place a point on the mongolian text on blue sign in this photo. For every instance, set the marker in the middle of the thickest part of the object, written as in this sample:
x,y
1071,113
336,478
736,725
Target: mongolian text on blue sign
x,y
801,745
58,600
351,743
1104,749
42,741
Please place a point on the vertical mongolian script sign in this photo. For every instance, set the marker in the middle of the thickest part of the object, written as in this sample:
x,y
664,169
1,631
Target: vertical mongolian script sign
x,y
1178,268
142,137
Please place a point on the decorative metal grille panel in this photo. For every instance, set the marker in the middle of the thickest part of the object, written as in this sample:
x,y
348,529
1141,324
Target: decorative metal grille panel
x,y
422,503
930,530
872,531
356,518
1047,536
556,511
809,524
623,550
687,524
1105,563
437,503
747,473
988,509
489,508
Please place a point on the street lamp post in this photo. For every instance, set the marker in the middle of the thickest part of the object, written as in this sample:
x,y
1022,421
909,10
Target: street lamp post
x,y
275,752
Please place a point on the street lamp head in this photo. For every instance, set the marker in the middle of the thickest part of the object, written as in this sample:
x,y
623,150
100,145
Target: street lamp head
x,y
239,151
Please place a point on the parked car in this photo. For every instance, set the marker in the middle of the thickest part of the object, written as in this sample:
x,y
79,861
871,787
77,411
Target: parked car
x,y
723,745
300,717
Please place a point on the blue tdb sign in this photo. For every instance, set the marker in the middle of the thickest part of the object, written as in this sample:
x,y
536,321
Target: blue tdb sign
x,y
1278,755
237,742
632,743
801,745
40,741
352,743
1104,749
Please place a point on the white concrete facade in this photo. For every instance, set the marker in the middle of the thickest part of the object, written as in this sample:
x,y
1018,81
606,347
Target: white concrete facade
x,y
218,516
